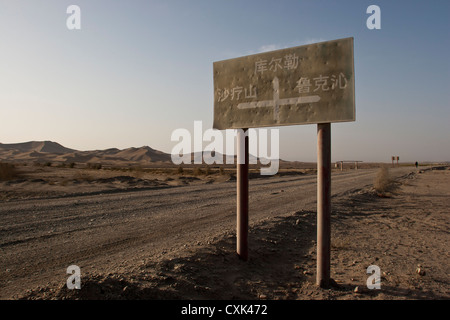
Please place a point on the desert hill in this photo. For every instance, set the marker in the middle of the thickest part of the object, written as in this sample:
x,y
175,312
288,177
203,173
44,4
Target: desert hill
x,y
37,146
49,151
53,152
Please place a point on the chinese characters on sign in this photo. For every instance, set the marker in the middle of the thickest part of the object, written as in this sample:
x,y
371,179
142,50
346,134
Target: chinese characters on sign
x,y
324,83
235,93
304,85
300,85
288,62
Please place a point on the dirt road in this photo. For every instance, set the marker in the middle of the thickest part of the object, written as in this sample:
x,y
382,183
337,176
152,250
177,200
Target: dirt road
x,y
123,235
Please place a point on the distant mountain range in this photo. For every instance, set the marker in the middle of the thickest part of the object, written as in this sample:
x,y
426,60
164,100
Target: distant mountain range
x,y
36,146
44,151
49,151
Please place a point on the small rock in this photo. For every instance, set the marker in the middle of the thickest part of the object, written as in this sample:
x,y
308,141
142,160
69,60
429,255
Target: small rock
x,y
262,296
357,289
420,271
297,222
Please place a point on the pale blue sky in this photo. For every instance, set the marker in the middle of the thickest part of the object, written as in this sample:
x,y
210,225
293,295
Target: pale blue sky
x,y
137,70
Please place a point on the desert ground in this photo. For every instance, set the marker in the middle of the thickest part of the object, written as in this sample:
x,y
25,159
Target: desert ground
x,y
164,234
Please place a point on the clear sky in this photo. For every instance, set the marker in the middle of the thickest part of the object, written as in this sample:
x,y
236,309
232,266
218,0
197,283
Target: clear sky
x,y
137,70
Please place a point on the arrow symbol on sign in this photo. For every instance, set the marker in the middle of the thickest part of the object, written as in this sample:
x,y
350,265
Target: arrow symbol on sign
x,y
277,102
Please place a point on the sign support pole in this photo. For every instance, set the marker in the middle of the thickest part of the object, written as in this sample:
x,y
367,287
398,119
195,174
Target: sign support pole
x,y
323,204
242,194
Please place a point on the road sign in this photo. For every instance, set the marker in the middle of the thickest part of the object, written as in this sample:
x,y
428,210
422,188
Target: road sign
x,y
312,84
300,85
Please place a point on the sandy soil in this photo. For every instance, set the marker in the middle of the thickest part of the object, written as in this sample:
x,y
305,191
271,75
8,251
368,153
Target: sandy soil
x,y
178,241
34,182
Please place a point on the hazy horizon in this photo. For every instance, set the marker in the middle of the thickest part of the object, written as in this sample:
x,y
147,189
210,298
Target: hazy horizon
x,y
197,152
138,70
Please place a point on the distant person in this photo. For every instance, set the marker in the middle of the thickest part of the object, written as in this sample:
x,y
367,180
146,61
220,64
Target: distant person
x,y
417,164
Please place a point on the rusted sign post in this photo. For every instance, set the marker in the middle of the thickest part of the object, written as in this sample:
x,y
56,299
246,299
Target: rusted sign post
x,y
242,195
311,84
323,204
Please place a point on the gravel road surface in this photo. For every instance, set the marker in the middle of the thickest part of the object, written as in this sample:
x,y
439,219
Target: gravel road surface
x,y
40,238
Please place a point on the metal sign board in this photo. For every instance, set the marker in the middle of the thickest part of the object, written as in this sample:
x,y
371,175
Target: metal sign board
x,y
301,85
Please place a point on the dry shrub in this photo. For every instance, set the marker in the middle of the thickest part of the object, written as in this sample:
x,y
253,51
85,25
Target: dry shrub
x,y
198,171
94,166
82,176
8,172
138,172
382,182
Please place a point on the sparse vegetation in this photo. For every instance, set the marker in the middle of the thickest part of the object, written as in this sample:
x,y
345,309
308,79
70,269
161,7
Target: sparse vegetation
x,y
382,182
95,166
138,172
198,171
8,172
82,176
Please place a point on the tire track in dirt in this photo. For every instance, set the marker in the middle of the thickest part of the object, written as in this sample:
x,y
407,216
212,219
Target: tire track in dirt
x,y
104,231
